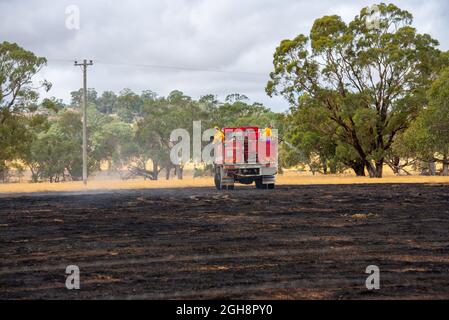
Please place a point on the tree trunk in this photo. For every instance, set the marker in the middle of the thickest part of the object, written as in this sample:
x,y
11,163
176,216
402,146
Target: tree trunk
x,y
3,170
445,171
359,168
179,172
396,170
376,170
109,167
280,170
155,170
324,165
371,171
333,167
167,173
395,164
34,175
311,169
379,168
432,168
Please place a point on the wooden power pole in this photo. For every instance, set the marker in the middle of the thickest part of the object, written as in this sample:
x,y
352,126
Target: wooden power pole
x,y
84,65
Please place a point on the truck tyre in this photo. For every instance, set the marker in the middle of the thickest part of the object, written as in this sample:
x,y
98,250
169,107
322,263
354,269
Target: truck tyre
x,y
271,186
217,180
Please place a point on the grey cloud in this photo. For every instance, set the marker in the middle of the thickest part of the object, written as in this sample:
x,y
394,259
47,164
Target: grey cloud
x,y
234,35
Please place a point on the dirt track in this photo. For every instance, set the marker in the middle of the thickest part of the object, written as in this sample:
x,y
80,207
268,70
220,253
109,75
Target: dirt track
x,y
295,242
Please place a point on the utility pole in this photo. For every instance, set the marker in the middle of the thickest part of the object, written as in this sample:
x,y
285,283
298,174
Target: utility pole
x,y
84,65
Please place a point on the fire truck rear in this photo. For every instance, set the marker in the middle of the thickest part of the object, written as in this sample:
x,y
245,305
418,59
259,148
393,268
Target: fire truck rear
x,y
246,156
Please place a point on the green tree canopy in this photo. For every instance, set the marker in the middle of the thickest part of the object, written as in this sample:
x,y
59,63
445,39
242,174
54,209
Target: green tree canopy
x,y
428,137
372,81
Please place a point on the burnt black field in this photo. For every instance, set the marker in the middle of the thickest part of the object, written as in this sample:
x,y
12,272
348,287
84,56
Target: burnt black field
x,y
295,242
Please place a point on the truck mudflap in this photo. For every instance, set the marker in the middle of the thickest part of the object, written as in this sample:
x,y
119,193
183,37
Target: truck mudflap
x,y
268,180
227,181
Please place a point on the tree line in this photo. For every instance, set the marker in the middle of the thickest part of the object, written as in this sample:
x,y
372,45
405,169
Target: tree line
x,y
360,98
123,128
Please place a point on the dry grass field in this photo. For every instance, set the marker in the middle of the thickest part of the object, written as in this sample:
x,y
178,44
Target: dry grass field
x,y
288,178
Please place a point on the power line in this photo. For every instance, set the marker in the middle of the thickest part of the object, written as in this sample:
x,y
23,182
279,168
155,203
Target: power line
x,y
167,67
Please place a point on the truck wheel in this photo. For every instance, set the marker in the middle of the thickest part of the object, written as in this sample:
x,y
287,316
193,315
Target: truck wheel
x,y
217,181
259,184
271,186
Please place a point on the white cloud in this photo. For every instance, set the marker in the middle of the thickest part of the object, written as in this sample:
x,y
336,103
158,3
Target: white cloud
x,y
234,35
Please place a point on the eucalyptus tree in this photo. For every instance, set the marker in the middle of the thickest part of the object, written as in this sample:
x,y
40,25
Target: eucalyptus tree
x,y
371,81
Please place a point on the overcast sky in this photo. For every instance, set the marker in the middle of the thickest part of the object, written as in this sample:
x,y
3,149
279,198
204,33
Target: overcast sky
x,y
128,39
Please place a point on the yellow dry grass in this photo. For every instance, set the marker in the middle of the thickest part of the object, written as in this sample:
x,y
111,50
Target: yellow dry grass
x,y
288,178
348,179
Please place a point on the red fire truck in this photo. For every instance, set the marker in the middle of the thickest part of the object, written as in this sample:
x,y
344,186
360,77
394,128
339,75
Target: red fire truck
x,y
246,156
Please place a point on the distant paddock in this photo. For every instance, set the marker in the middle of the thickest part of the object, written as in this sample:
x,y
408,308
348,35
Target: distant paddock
x,y
289,178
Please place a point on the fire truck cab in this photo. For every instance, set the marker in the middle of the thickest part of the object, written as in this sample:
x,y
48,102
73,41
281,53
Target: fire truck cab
x,y
246,156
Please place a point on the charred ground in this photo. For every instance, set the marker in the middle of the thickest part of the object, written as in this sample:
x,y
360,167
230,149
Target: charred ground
x,y
295,242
